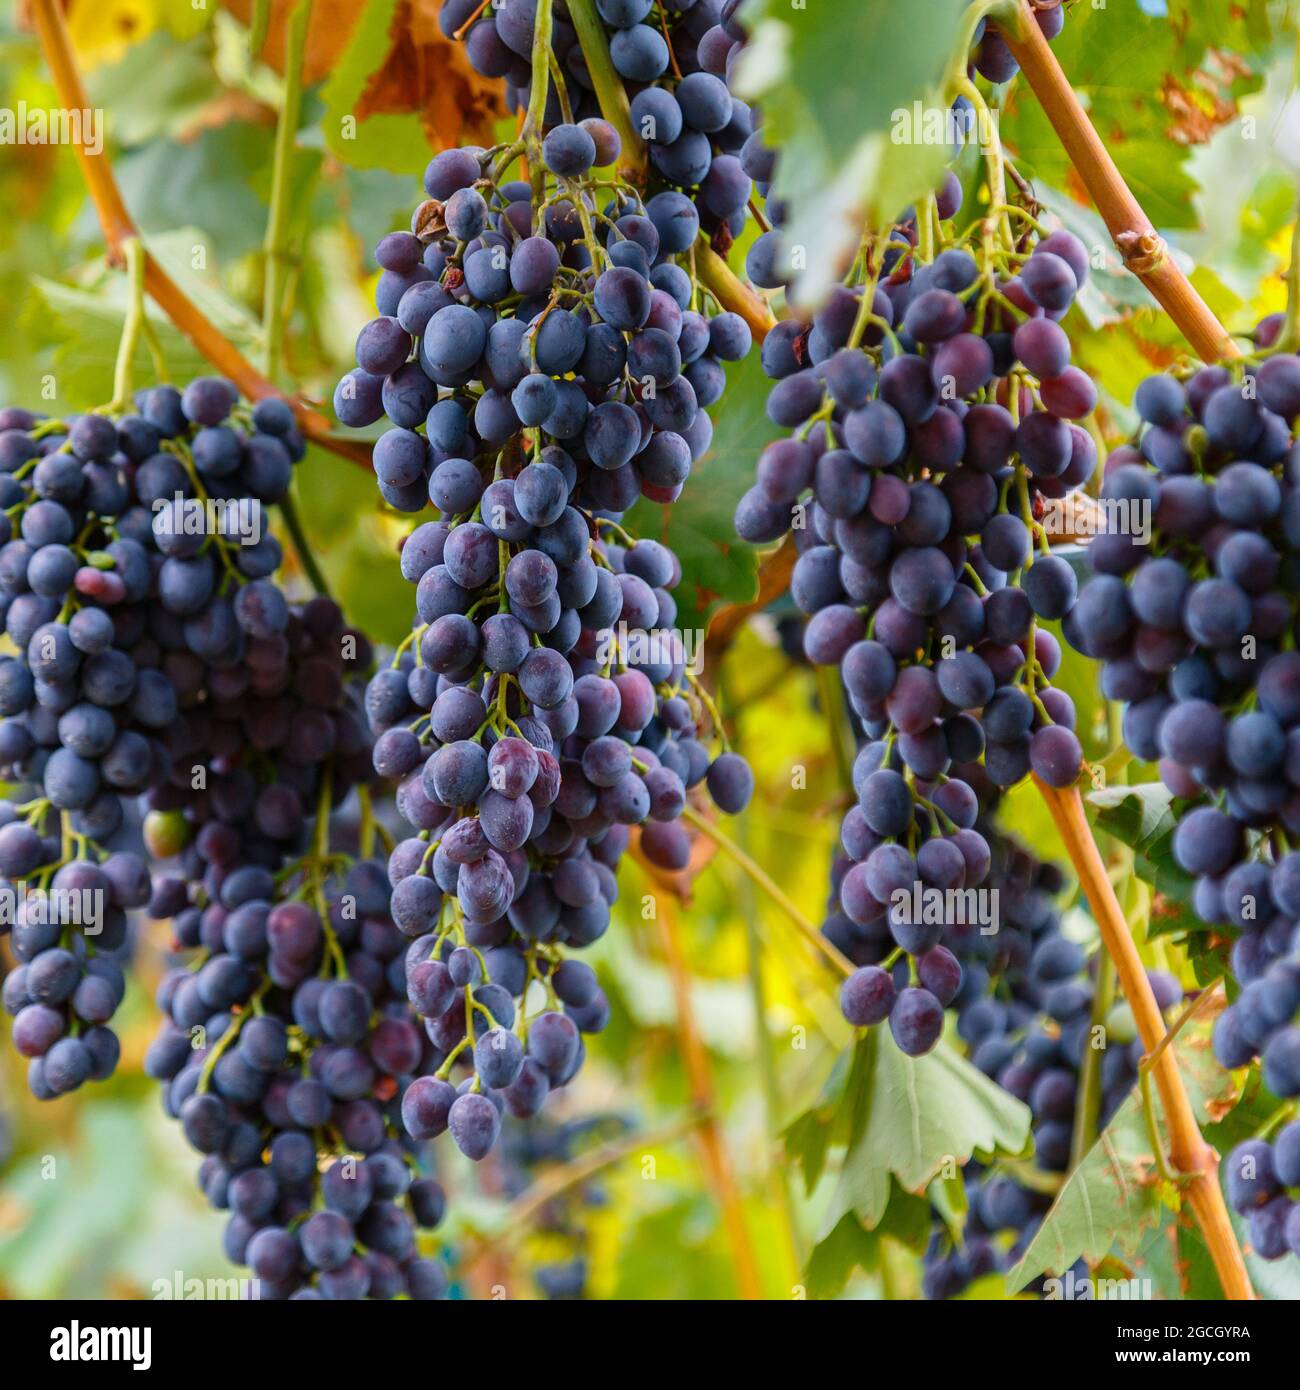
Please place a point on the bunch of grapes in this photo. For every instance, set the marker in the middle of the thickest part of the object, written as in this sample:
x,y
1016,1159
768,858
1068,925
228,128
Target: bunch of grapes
x,y
1191,611
544,703
527,1149
110,584
1261,1175
68,931
284,1055
929,411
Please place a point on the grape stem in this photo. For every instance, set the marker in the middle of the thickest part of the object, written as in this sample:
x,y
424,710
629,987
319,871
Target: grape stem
x,y
117,226
1191,1155
258,26
543,24
131,326
276,249
732,293
1141,247
609,89
301,545
765,881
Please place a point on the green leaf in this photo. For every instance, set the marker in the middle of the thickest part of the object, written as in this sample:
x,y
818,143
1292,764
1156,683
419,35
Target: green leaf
x,y
84,327
1136,813
831,85
924,1115
1114,1197
808,1138
205,182
842,71
852,1245
847,1247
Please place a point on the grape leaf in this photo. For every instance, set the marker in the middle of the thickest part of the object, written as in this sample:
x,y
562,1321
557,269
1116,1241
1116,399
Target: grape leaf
x,y
909,1118
156,89
852,1245
84,327
831,85
1134,813
1115,1197
205,182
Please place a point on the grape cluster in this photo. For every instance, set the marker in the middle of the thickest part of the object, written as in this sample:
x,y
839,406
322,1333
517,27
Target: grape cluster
x,y
523,761
68,931
929,422
284,1055
268,733
112,588
543,704
1191,610
1261,1176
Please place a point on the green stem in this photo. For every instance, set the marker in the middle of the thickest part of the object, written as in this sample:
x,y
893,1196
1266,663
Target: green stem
x,y
778,1173
543,26
260,23
131,326
970,21
276,244
988,134
302,547
769,886
607,84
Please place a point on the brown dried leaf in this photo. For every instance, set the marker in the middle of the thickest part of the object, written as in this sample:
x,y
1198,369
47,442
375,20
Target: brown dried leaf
x,y
423,73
